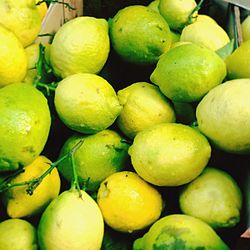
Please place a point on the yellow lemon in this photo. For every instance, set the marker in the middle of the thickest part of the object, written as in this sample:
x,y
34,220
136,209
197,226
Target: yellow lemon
x,y
154,5
128,203
245,26
19,203
42,7
22,17
71,222
13,60
16,234
218,197
80,46
143,106
176,12
169,154
139,34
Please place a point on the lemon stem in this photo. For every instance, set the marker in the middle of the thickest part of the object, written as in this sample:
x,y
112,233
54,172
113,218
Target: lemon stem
x,y
67,5
196,8
75,182
34,183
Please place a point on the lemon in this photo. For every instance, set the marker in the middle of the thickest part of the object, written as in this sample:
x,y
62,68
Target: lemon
x,y
218,197
71,222
205,33
186,73
169,154
19,203
24,125
176,12
178,231
245,26
13,60
17,234
175,37
143,106
42,7
100,155
205,18
223,116
128,203
154,5
80,46
22,17
86,103
176,44
241,56
139,34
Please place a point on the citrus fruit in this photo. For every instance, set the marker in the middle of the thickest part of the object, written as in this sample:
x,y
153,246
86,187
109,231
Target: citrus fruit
x,y
218,197
128,203
154,5
139,34
140,102
178,231
17,234
241,56
245,26
100,155
175,37
71,222
176,12
80,46
21,204
186,73
13,60
169,154
86,103
205,33
205,18
42,7
22,17
223,116
24,125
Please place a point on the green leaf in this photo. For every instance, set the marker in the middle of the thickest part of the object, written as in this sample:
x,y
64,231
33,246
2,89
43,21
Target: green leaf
x,y
227,50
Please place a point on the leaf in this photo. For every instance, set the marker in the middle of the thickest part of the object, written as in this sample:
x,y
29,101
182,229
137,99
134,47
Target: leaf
x,y
227,50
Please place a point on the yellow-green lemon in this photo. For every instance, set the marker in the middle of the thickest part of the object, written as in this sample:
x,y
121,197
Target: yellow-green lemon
x,y
100,155
177,12
21,204
128,203
169,154
245,26
24,125
143,106
217,196
16,234
80,46
13,60
139,34
71,222
223,116
178,231
238,63
154,5
86,103
186,73
22,17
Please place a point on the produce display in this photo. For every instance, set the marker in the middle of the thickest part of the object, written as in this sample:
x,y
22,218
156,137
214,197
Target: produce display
x,y
128,130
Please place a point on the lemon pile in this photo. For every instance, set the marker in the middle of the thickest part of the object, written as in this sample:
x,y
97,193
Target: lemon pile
x,y
116,119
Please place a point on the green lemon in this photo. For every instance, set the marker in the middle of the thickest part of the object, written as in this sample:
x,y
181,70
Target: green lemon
x,y
71,222
241,56
80,46
217,196
169,154
86,103
22,17
16,234
178,231
186,73
205,33
223,116
139,34
100,155
245,26
13,60
154,5
143,106
176,12
24,125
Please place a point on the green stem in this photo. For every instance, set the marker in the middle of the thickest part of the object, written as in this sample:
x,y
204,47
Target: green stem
x,y
196,8
67,5
46,34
